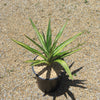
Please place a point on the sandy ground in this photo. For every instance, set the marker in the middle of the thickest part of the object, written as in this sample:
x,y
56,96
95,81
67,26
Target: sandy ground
x,y
16,77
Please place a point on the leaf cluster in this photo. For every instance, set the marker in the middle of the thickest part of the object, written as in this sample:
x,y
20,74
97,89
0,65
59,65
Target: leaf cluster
x,y
50,51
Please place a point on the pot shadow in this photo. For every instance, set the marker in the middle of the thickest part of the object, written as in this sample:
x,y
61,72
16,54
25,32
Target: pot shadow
x,y
65,84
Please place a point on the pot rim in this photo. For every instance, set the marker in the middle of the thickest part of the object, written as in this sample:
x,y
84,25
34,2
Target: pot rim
x,y
38,75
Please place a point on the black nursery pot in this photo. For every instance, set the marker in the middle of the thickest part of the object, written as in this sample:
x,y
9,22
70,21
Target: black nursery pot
x,y
47,85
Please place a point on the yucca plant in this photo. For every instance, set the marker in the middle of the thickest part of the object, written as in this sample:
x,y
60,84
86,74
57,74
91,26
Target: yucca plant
x,y
50,52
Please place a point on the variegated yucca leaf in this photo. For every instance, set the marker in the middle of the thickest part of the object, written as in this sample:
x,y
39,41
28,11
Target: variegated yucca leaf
x,y
30,49
65,43
36,62
40,37
64,54
65,66
49,37
58,36
36,44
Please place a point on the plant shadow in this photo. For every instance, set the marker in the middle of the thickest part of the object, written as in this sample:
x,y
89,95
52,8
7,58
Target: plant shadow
x,y
56,67
65,84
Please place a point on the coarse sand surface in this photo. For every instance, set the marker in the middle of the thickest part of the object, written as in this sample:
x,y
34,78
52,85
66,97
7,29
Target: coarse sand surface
x,y
16,77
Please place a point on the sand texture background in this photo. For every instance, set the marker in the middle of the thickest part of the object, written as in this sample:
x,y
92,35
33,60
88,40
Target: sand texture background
x,y
16,77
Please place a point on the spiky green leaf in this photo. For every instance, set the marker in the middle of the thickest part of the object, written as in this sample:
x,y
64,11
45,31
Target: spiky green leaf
x,y
65,66
66,53
37,62
36,44
29,48
44,37
65,43
58,36
70,50
40,37
49,36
